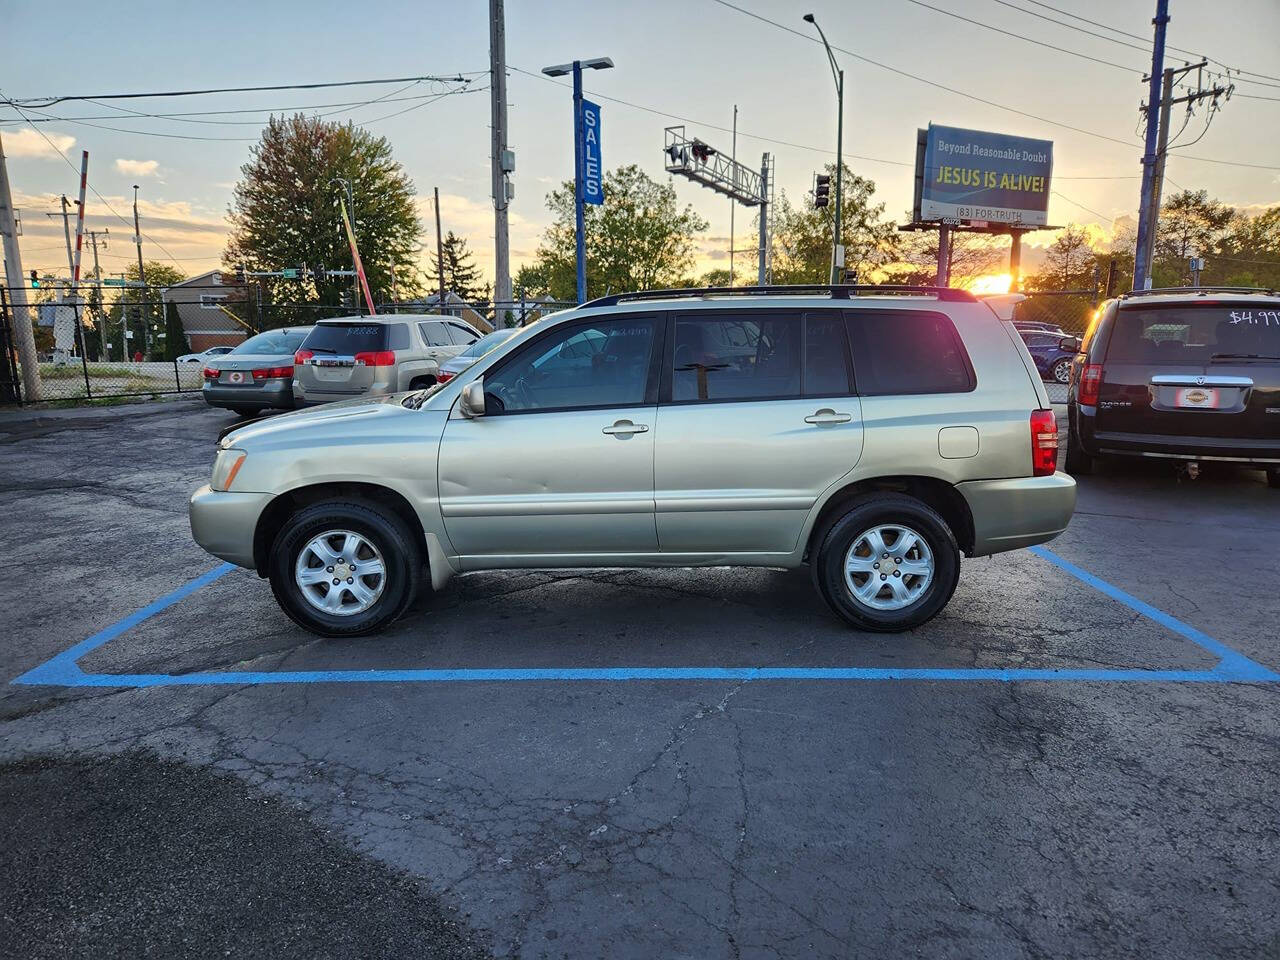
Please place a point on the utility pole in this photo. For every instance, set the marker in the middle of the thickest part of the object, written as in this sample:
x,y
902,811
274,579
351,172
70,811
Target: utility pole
x,y
502,161
733,203
440,251
97,281
15,278
66,231
142,276
1142,256
763,267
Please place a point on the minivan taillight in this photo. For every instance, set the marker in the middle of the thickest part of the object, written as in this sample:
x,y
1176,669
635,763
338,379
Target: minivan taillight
x,y
1044,443
1087,386
302,356
376,358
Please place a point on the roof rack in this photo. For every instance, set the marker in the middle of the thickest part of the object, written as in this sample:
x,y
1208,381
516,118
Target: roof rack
x,y
1201,291
835,291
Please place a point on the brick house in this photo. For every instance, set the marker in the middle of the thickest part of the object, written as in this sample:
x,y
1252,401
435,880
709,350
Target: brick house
x,y
203,303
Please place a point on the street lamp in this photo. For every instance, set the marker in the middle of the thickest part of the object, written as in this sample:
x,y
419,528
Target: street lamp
x,y
560,70
838,74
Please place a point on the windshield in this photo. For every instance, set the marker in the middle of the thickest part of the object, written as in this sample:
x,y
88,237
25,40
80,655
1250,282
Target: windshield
x,y
273,341
347,339
1194,334
486,343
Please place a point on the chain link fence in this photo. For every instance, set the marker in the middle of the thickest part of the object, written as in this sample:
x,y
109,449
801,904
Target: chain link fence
x,y
1071,310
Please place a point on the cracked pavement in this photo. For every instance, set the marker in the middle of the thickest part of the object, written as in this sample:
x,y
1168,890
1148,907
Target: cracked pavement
x,y
700,819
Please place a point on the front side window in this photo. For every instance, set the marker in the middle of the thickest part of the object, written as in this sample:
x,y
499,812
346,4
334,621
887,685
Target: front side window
x,y
603,363
748,357
901,352
434,333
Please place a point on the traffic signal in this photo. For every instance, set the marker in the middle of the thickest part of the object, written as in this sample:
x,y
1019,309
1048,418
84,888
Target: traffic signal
x,y
240,273
318,274
702,152
35,279
821,190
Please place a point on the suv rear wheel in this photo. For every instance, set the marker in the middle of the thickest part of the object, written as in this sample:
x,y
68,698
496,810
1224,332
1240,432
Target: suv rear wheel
x,y
345,568
1079,463
888,563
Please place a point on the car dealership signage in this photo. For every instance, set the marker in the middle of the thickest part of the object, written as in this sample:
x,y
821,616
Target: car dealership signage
x,y
972,176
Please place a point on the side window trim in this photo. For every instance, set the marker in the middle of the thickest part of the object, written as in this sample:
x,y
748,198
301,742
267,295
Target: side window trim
x,y
656,351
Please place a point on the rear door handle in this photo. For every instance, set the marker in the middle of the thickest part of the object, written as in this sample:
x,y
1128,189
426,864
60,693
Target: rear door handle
x,y
827,415
624,428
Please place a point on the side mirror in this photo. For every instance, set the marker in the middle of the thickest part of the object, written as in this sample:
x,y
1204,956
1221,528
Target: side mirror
x,y
1070,344
471,402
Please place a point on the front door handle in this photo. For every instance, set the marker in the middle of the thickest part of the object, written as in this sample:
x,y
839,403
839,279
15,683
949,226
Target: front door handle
x,y
827,415
624,428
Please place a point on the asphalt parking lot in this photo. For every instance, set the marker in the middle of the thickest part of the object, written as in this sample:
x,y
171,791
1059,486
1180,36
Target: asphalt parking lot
x,y
1078,758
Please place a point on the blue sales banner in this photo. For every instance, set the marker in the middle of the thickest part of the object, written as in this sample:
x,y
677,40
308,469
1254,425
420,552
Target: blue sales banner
x,y
972,175
592,171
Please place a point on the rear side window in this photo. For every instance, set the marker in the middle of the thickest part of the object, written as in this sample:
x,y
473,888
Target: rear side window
x,y
435,333
397,336
903,352
826,356
346,339
747,357
1194,334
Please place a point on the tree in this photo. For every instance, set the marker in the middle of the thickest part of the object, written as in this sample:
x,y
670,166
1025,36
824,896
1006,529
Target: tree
x,y
638,239
1191,224
802,235
140,311
1068,263
286,213
175,337
460,272
972,255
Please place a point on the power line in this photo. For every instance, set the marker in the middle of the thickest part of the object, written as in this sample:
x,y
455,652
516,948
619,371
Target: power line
x,y
962,93
51,101
1019,36
1072,26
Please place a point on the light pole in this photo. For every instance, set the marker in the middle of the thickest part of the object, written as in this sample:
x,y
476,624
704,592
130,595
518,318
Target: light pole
x,y
351,212
838,75
560,70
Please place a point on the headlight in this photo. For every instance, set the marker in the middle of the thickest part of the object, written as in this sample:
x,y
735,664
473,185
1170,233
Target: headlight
x,y
225,467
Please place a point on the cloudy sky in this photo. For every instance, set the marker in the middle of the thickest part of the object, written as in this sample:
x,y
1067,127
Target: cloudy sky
x,y
677,61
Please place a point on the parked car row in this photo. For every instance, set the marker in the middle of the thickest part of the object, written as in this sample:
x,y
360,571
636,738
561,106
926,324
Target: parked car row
x,y
338,359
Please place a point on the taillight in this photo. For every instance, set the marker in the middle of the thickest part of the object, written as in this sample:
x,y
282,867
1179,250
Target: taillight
x,y
273,373
443,377
302,356
211,373
1044,443
377,358
1090,381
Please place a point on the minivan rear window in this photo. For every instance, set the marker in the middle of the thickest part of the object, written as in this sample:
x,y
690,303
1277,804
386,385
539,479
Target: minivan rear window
x,y
1193,334
347,339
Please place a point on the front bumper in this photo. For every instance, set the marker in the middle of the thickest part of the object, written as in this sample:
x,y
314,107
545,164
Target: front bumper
x,y
1018,512
224,523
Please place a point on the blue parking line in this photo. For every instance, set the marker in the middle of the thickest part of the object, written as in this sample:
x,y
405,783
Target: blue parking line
x,y
1233,666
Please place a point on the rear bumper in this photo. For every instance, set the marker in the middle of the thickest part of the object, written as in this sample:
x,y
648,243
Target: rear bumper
x,y
224,523
1263,452
270,393
1018,512
310,394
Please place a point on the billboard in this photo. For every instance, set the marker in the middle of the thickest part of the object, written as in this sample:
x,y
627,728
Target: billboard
x,y
970,176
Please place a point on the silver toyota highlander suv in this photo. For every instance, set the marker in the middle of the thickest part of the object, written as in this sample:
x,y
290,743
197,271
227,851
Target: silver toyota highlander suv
x,y
872,433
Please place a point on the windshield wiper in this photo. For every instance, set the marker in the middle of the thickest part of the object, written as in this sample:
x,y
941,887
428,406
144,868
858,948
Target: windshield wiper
x,y
322,349
1243,356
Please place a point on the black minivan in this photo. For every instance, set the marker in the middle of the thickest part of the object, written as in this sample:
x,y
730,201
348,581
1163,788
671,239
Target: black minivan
x,y
1184,374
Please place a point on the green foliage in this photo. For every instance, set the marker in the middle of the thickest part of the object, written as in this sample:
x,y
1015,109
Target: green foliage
x,y
802,236
461,276
1069,263
286,210
638,239
139,311
175,338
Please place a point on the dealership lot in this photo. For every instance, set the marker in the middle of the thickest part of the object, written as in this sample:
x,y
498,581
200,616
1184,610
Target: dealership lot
x,y
699,763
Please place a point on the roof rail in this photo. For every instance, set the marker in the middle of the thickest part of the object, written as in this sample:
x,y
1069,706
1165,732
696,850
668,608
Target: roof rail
x,y
1201,291
835,291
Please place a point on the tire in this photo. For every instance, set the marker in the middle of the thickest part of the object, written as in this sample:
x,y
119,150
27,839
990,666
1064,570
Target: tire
x,y
846,539
1273,479
240,411
383,533
1079,463
1061,371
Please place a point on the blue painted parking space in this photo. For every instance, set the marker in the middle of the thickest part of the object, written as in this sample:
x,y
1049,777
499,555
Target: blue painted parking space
x,y
1231,667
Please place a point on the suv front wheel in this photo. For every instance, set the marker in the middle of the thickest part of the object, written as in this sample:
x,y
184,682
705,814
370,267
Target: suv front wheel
x,y
344,568
889,563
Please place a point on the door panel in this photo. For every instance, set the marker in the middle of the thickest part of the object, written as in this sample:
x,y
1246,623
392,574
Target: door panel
x,y
742,477
550,483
